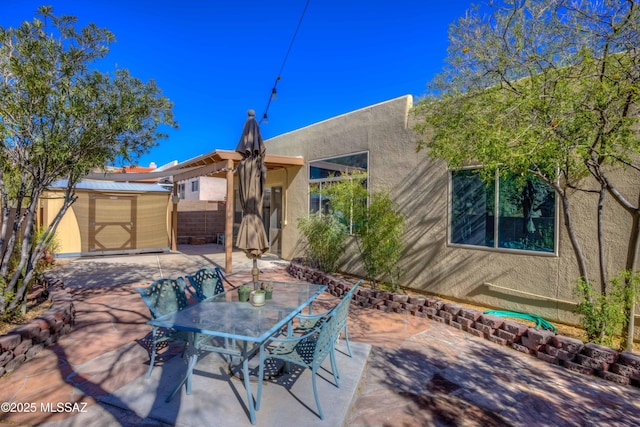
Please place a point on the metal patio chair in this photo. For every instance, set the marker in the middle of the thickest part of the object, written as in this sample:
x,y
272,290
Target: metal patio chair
x,y
205,283
308,351
162,297
223,278
308,321
341,314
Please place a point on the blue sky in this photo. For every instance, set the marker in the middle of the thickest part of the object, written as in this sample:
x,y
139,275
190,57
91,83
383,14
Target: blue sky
x,y
216,59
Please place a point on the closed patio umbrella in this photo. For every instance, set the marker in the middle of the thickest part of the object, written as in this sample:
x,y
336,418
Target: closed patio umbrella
x,y
252,174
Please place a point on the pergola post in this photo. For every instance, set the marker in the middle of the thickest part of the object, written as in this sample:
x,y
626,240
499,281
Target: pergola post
x,y
228,227
174,218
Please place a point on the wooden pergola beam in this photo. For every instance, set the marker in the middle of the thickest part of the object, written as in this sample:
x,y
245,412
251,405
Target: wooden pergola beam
x,y
228,225
222,163
206,170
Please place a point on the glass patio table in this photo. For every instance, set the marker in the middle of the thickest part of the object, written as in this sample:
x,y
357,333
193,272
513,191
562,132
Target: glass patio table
x,y
245,328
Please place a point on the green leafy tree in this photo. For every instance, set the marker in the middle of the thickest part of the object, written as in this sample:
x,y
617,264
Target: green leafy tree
x,y
348,198
548,88
59,119
377,227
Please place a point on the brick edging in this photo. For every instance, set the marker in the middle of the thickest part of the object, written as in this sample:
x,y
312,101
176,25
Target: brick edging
x,y
26,341
573,354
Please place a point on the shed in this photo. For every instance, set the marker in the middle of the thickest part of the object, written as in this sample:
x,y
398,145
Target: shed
x,y
110,218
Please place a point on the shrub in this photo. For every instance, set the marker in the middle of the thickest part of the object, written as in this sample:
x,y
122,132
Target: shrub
x,y
325,240
377,228
605,315
380,239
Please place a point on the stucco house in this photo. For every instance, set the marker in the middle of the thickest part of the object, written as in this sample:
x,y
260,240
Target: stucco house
x,y
520,259
203,188
201,209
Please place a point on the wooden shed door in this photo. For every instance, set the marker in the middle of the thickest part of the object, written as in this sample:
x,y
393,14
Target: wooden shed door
x,y
112,223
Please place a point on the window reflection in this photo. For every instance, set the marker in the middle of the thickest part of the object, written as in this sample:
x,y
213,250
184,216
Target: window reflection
x,y
526,212
471,210
324,172
334,167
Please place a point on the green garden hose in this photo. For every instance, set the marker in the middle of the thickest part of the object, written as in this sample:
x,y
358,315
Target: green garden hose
x,y
540,322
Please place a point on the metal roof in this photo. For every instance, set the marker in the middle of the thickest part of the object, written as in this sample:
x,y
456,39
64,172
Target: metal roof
x,y
112,186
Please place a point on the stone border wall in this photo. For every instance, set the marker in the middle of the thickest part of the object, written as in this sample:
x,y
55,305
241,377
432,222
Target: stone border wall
x,y
26,341
573,354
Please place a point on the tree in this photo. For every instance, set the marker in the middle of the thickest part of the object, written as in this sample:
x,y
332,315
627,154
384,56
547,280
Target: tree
x,y
548,88
59,119
377,227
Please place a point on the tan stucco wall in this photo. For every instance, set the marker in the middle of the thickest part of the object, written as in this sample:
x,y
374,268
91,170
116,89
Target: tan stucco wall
x,y
381,130
540,284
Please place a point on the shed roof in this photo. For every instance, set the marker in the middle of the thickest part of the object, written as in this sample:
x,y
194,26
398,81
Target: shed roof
x,y
111,186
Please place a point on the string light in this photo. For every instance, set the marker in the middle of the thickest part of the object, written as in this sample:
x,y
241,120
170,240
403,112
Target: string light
x,y
273,96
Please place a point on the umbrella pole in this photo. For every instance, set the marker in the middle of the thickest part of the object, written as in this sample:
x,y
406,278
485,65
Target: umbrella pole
x,y
255,273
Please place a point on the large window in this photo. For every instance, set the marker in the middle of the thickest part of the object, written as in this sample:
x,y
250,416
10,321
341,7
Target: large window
x,y
525,218
323,173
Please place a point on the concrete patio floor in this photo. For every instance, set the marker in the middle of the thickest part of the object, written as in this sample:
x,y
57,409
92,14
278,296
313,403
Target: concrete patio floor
x,y
406,371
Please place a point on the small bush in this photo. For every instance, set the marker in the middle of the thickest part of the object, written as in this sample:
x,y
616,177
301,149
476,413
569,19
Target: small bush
x,y
605,315
325,240
377,227
380,240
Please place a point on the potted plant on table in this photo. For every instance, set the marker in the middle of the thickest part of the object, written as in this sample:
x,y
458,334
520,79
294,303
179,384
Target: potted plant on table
x,y
243,293
257,297
268,289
